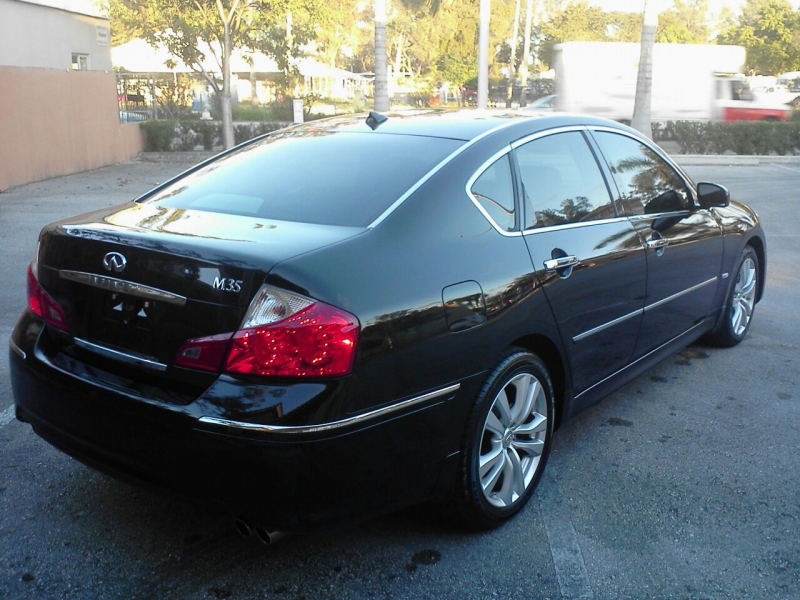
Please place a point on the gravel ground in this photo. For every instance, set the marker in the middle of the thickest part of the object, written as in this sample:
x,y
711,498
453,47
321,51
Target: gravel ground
x,y
684,484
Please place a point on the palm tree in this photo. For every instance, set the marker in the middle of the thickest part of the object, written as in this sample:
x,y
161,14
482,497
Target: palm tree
x,y
483,54
644,82
381,76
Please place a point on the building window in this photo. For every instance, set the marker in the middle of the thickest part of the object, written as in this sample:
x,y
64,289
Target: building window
x,y
80,62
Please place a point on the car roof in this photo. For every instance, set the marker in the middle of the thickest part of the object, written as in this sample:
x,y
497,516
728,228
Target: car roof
x,y
453,124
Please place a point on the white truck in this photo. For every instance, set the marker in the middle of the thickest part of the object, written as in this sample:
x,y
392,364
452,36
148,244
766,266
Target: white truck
x,y
690,82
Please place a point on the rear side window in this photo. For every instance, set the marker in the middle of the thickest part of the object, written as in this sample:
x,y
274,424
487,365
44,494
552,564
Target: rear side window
x,y
646,182
563,183
321,177
494,191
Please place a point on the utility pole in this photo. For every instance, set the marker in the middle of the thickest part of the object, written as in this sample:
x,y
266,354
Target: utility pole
x,y
483,54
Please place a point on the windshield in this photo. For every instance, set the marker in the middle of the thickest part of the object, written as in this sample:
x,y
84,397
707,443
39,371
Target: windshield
x,y
321,177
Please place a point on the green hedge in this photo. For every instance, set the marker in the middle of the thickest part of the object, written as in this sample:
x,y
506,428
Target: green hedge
x,y
161,136
745,137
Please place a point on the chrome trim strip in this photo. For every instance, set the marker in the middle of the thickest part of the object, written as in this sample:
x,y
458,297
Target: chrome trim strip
x,y
600,328
574,225
124,287
139,361
17,350
629,365
333,424
679,294
540,134
661,215
438,168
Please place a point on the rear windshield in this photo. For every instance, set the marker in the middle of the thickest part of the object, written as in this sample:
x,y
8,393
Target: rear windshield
x,y
322,177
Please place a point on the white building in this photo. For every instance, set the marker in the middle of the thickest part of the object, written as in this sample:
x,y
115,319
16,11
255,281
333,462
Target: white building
x,y
58,107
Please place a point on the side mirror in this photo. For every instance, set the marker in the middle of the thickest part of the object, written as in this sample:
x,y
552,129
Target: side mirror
x,y
711,195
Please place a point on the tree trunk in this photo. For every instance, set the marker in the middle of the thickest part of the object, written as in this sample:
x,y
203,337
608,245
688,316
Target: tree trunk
x,y
483,54
644,82
253,87
225,96
512,63
526,54
381,79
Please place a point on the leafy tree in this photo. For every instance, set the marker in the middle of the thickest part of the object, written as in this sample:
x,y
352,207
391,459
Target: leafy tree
x,y
686,22
770,30
580,22
189,29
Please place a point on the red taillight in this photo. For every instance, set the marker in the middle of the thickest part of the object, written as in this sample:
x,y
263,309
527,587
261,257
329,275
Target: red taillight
x,y
318,341
43,304
205,353
283,335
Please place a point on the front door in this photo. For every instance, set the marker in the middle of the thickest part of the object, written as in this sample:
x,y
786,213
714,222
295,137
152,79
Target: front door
x,y
590,262
683,241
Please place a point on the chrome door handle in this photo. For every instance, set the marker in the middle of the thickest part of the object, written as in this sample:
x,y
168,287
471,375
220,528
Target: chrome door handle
x,y
657,243
563,262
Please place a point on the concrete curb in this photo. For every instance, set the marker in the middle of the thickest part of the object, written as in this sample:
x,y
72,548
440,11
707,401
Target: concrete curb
x,y
170,157
732,159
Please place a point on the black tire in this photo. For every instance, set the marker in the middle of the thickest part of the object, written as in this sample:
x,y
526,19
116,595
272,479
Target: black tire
x,y
725,334
470,505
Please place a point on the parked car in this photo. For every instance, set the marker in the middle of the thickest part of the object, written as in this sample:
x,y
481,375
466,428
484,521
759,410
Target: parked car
x,y
349,316
544,103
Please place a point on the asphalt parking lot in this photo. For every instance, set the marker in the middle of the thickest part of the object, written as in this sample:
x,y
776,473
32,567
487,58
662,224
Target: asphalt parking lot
x,y
684,484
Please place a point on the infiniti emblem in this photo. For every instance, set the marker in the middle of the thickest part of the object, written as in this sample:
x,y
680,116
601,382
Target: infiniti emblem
x,y
114,261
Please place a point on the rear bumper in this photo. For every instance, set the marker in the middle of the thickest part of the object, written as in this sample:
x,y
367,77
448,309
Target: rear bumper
x,y
281,481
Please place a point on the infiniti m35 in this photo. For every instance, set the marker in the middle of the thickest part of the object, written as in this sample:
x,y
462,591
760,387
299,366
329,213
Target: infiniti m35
x,y
349,316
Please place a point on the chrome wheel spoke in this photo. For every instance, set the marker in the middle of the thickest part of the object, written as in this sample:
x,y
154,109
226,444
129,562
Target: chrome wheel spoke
x,y
503,410
488,461
494,426
517,475
532,447
525,394
490,481
506,491
537,425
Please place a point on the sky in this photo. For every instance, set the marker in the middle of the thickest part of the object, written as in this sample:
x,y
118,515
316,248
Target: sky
x,y
715,6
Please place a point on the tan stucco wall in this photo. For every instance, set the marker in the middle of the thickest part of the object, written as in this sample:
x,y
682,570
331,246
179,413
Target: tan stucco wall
x,y
55,122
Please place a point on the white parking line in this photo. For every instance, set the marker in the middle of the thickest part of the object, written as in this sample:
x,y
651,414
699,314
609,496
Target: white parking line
x,y
785,167
573,579
6,416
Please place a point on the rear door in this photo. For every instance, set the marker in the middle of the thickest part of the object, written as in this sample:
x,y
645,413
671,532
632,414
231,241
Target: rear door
x,y
589,261
683,241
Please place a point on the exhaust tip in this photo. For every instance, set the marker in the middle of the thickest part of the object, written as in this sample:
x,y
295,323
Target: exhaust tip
x,y
243,527
269,537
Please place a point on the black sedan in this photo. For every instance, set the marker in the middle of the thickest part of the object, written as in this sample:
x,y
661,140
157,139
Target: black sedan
x,y
346,317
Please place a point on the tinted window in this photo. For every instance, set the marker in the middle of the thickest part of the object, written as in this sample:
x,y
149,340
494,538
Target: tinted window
x,y
312,177
563,183
494,190
647,184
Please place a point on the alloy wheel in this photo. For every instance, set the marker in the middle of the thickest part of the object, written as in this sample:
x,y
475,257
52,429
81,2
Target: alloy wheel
x,y
513,440
744,296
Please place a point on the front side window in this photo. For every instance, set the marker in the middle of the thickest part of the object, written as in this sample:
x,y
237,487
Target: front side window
x,y
494,191
647,184
562,182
